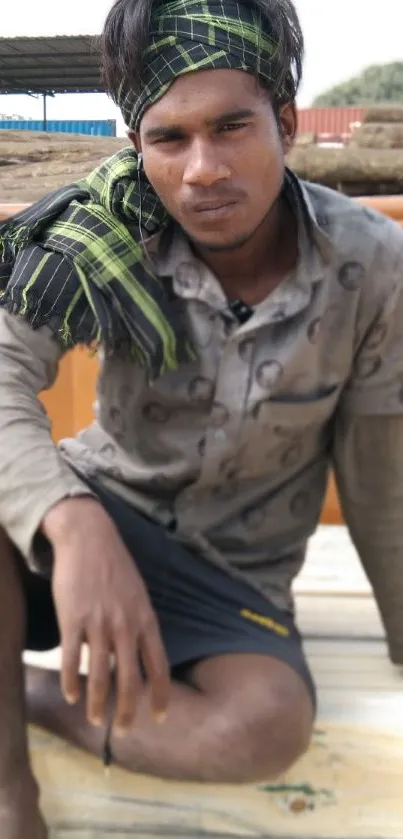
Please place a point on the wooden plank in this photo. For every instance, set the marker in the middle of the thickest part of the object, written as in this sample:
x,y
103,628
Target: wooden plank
x,y
331,616
353,667
362,709
332,565
349,786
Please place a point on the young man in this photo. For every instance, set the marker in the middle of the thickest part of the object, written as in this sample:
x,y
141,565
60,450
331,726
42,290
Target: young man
x,y
250,329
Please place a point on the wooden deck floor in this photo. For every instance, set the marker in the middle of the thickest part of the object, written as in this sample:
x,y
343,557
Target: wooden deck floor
x,y
349,786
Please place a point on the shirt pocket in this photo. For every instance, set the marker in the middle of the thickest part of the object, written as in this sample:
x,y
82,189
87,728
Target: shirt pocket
x,y
284,434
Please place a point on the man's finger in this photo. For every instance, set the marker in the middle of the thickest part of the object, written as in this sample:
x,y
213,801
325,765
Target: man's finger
x,y
157,669
70,673
128,683
99,678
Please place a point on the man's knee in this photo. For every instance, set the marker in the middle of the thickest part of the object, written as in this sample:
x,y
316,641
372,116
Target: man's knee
x,y
263,743
281,734
262,729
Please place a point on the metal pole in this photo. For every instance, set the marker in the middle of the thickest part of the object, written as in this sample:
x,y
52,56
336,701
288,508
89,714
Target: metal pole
x,y
45,117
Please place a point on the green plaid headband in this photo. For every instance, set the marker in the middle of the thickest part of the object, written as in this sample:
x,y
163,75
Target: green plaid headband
x,y
191,35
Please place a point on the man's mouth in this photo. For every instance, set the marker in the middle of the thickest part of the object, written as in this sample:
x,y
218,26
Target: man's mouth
x,y
213,209
211,206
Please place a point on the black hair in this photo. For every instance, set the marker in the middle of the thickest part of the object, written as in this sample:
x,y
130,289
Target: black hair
x,y
126,33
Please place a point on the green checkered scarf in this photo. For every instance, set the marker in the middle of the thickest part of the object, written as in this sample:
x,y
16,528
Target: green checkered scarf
x,y
105,290
190,35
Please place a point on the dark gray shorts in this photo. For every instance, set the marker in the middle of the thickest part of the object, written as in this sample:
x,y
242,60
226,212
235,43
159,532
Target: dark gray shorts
x,y
202,611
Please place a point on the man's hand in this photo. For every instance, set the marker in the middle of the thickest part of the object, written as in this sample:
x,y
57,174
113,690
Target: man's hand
x,y
101,600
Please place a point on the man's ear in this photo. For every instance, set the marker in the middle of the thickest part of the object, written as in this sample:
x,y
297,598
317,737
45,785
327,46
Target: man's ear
x,y
135,140
288,123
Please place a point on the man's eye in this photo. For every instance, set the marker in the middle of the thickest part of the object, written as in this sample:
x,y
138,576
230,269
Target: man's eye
x,y
233,126
170,138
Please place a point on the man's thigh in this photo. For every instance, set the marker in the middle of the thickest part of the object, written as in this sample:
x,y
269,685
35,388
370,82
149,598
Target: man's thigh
x,y
204,613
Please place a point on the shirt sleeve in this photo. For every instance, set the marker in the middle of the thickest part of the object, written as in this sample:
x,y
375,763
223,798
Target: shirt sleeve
x,y
33,475
368,445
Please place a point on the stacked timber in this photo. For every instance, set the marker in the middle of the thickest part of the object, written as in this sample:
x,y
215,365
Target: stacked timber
x,y
33,163
352,169
382,129
372,163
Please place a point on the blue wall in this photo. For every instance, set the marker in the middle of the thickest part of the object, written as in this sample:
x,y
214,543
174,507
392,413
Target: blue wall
x,y
94,127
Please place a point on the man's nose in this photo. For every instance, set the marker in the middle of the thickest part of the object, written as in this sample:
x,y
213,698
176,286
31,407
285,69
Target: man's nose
x,y
204,166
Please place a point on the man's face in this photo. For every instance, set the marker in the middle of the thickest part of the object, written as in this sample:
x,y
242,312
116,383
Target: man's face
x,y
214,153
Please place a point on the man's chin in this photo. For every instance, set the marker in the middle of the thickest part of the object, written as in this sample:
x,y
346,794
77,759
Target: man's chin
x,y
218,243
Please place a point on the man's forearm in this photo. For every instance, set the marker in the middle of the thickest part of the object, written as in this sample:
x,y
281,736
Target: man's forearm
x,y
59,519
369,469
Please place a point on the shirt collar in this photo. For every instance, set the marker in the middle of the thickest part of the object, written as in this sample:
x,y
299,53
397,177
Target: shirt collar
x,y
314,222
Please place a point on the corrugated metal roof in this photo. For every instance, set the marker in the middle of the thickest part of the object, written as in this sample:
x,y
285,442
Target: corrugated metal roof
x,y
60,64
332,122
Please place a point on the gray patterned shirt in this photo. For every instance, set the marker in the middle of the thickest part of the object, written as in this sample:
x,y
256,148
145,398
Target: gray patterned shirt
x,y
234,450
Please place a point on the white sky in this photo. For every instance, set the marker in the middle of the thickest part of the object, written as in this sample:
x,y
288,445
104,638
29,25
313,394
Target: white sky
x,y
342,37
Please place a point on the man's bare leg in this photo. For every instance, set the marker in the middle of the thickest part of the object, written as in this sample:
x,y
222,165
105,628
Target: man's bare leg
x,y
19,813
243,718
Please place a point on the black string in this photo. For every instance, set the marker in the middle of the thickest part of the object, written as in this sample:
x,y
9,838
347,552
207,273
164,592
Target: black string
x,y
107,753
